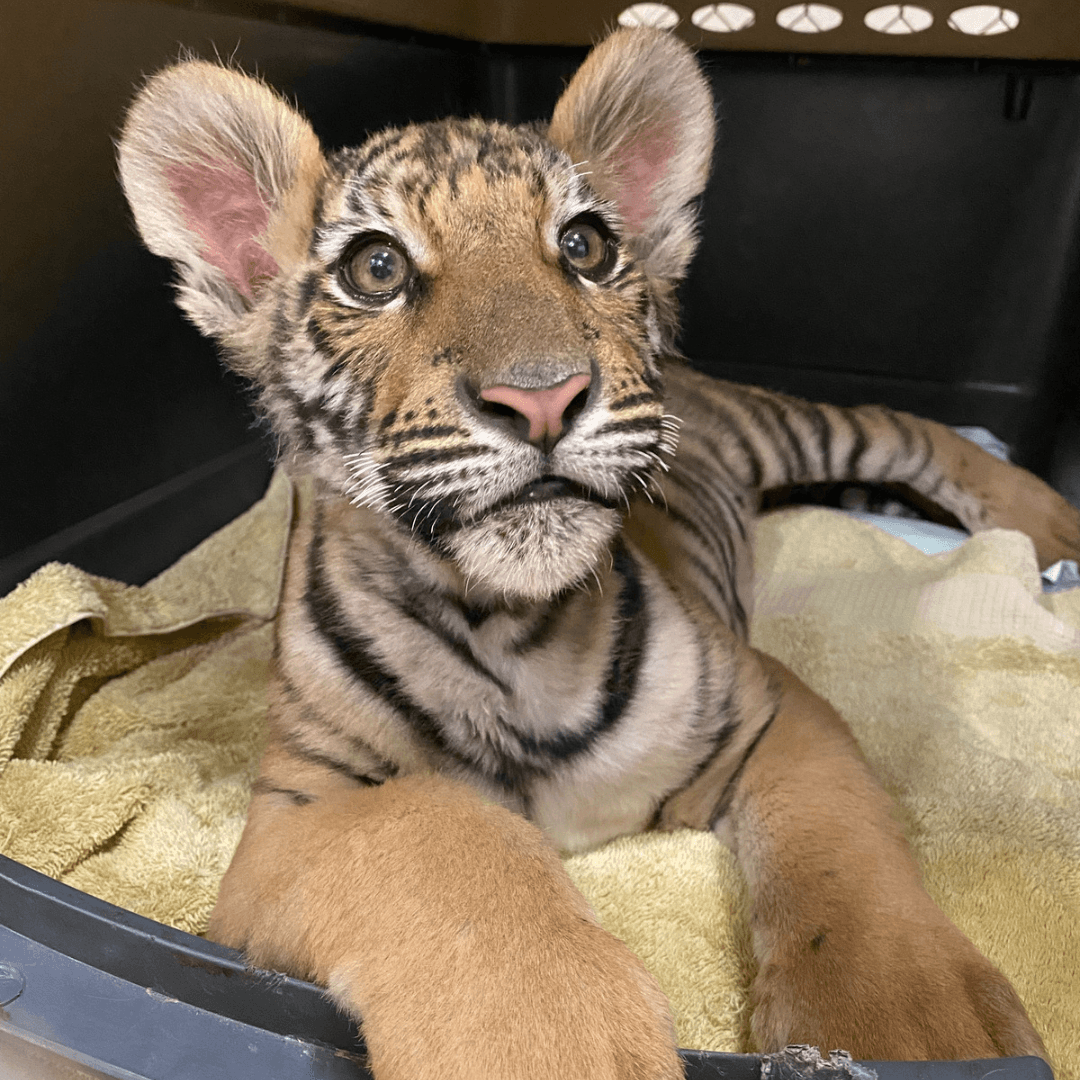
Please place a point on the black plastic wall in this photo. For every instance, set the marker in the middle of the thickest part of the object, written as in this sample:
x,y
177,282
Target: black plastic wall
x,y
875,230
891,231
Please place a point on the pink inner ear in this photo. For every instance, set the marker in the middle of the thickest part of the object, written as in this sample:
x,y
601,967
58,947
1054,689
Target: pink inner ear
x,y
640,164
224,208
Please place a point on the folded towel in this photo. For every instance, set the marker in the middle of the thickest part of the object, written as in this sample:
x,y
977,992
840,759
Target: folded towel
x,y
131,718
130,726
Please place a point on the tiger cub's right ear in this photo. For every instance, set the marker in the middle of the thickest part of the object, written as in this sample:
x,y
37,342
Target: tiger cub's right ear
x,y
221,176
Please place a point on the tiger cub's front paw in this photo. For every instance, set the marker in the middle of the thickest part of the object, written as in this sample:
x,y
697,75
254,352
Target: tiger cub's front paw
x,y
915,992
582,1006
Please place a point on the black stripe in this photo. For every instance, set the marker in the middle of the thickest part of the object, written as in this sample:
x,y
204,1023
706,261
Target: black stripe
x,y
301,414
651,376
318,337
384,174
907,438
430,431
336,422
428,520
354,652
367,404
341,161
627,652
823,432
292,742
538,755
887,471
858,447
332,372
412,607
620,278
263,786
733,427
311,717
728,794
786,411
696,478
544,628
365,155
650,424
474,616
632,619
716,746
437,456
458,165
306,292
702,472
434,145
761,422
722,495
723,585
925,457
794,458
631,400
736,620
485,146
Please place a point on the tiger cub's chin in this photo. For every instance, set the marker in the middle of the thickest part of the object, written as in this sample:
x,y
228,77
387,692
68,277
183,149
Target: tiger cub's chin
x,y
532,552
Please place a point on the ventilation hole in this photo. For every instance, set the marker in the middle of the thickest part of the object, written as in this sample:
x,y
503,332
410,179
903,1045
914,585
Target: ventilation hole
x,y
723,18
982,20
659,16
809,18
898,19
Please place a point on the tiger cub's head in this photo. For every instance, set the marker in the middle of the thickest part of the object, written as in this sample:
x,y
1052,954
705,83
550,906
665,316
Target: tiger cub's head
x,y
458,324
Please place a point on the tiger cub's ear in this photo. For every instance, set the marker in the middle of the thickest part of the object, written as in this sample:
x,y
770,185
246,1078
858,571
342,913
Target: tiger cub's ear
x,y
637,118
221,177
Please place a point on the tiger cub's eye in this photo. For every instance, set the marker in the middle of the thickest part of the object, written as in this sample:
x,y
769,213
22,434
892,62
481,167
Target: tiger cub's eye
x,y
586,248
375,267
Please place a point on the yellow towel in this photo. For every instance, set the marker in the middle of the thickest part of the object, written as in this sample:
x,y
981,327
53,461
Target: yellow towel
x,y
131,718
130,726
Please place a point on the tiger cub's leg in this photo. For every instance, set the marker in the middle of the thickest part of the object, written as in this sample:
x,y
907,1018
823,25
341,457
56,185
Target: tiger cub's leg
x,y
771,440
852,952
980,489
446,925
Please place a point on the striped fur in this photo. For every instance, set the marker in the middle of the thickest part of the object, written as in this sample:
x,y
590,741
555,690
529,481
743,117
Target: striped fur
x,y
551,706
579,657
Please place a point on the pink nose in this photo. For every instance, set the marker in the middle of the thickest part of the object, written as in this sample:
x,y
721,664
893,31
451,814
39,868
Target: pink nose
x,y
544,409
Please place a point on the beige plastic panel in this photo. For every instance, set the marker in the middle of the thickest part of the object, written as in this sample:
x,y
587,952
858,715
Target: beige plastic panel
x,y
1025,29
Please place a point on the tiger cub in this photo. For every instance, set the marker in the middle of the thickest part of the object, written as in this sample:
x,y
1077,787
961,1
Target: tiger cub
x,y
517,596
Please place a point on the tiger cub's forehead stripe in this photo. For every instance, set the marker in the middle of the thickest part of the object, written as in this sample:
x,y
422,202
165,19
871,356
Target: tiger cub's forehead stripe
x,y
388,184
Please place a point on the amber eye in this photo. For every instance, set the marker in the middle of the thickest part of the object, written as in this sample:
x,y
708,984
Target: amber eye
x,y
375,267
587,248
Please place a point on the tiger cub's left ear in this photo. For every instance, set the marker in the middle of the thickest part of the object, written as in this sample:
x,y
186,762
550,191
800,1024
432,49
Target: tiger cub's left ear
x,y
637,118
221,175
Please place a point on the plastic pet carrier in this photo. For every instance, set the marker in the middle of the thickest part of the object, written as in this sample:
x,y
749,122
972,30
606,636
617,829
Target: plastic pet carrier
x,y
893,216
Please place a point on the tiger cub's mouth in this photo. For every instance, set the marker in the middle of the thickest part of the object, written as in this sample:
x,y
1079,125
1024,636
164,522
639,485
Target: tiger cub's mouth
x,y
549,487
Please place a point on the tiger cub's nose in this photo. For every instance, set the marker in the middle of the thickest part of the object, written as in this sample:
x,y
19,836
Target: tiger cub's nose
x,y
542,416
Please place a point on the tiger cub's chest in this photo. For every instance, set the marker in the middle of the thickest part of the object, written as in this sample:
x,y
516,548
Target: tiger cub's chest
x,y
581,711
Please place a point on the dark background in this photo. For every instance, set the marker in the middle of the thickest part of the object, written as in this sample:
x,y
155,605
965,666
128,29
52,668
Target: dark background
x,y
901,231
